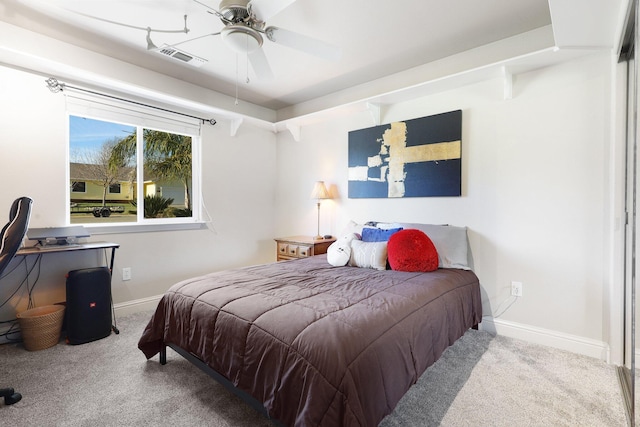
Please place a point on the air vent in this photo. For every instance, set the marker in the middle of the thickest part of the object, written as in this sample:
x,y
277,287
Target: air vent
x,y
181,56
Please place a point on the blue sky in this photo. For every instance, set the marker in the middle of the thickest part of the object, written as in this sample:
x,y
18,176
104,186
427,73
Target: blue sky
x,y
88,135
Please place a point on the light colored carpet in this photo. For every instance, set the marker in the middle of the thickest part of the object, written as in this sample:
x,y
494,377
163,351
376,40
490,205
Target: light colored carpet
x,y
480,381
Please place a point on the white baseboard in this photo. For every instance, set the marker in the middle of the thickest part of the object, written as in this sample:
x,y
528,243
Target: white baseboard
x,y
135,306
573,343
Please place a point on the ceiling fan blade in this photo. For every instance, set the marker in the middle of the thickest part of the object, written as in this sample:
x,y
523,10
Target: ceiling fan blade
x,y
260,64
265,9
303,43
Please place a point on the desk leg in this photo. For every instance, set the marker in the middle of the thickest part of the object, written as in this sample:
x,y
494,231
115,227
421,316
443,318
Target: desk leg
x,y
114,327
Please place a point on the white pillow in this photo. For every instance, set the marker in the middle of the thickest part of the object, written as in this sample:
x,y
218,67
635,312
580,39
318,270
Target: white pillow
x,y
450,241
339,252
368,254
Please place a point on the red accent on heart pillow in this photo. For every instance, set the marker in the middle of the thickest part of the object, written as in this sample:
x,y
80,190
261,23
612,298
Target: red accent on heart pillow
x,y
412,250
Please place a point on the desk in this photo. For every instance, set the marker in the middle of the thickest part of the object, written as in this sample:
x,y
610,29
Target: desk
x,y
39,250
35,250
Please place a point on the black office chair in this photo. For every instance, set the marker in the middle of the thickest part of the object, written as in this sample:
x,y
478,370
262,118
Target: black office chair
x,y
10,241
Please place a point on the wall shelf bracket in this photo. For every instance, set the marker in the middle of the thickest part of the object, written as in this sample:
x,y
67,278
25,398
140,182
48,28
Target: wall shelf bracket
x,y
235,125
374,109
507,78
295,131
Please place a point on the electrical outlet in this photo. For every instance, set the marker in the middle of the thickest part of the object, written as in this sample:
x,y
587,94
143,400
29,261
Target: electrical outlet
x,y
516,289
126,273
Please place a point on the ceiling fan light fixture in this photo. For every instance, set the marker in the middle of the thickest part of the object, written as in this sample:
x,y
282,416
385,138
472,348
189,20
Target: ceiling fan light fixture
x,y
241,38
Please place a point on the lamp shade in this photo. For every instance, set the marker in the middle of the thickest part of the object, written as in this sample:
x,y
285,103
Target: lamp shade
x,y
320,191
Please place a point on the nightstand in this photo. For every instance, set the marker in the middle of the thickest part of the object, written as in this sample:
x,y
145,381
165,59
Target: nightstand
x,y
301,247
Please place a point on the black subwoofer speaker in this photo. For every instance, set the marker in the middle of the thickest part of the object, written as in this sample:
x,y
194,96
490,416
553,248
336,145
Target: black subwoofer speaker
x,y
88,315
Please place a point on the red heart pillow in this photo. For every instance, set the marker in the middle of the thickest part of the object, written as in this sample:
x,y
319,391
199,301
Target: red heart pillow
x,y
412,250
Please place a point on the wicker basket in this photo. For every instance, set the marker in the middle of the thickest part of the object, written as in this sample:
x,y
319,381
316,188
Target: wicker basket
x,y
41,326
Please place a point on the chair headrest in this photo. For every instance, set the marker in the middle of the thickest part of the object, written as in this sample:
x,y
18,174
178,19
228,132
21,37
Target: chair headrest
x,y
13,232
24,202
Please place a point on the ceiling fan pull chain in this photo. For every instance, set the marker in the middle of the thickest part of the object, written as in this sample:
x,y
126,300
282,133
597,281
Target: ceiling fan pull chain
x,y
236,79
246,57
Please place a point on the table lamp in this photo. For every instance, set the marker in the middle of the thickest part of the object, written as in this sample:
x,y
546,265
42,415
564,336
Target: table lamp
x,y
319,192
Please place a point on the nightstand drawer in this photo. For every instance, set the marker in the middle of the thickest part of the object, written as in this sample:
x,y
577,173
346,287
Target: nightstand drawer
x,y
292,250
304,251
283,249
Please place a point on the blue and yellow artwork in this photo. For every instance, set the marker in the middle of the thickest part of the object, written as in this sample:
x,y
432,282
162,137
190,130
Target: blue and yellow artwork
x,y
414,158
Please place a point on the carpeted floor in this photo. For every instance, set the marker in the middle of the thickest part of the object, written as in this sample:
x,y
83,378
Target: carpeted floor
x,y
480,381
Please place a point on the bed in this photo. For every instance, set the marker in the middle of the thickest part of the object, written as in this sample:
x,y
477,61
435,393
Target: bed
x,y
313,344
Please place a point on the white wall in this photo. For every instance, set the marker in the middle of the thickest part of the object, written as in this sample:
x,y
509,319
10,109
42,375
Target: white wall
x,y
535,184
238,190
535,192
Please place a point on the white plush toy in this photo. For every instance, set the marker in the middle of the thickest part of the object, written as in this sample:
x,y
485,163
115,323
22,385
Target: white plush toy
x,y
339,252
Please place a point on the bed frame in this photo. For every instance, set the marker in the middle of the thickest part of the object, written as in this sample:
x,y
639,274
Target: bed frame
x,y
194,360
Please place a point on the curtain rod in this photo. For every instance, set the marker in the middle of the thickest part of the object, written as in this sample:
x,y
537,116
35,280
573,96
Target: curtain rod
x,y
55,86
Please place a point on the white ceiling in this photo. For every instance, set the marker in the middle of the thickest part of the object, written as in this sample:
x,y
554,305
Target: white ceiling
x,y
376,38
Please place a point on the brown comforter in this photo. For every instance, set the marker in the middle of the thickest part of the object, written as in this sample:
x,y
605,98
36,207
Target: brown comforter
x,y
318,345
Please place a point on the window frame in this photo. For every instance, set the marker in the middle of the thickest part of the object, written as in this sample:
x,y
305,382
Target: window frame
x,y
95,108
71,190
117,184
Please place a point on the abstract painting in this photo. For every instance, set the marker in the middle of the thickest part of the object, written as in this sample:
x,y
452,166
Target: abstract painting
x,y
414,158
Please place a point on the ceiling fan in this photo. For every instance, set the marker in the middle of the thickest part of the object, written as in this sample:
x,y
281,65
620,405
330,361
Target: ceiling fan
x,y
245,29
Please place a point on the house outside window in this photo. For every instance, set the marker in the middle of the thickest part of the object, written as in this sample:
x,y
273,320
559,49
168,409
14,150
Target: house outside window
x,y
117,167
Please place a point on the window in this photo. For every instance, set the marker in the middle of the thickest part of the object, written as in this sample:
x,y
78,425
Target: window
x,y
138,169
78,187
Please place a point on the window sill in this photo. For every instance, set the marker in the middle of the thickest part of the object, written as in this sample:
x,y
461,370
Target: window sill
x,y
143,228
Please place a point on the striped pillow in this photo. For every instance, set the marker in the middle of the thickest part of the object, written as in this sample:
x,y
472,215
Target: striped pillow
x,y
368,254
